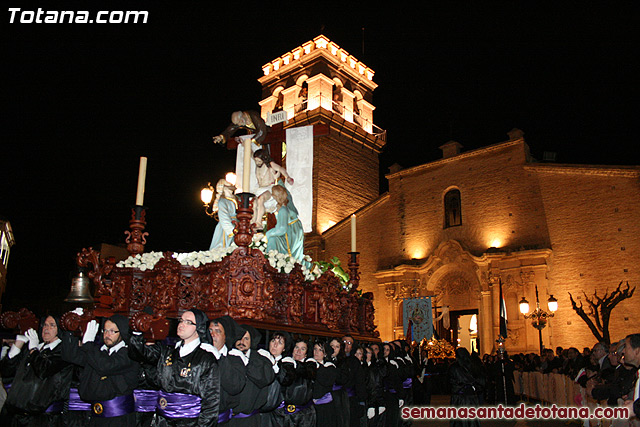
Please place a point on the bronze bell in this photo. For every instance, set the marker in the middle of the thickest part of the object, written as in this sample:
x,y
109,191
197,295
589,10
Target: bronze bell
x,y
80,292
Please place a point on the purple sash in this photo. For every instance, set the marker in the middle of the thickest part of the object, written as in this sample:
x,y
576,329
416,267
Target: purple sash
x,y
55,408
225,416
407,383
336,387
146,400
292,409
178,405
116,407
327,398
77,404
241,415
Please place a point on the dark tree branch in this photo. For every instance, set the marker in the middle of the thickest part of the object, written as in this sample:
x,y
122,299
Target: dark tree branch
x,y
600,309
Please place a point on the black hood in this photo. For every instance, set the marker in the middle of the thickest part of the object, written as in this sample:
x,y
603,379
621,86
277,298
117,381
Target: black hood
x,y
123,326
201,326
232,331
256,336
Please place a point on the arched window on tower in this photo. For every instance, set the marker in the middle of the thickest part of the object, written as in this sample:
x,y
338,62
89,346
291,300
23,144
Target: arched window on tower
x,y
452,209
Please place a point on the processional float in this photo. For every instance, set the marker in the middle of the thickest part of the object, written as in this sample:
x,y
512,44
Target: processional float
x,y
240,283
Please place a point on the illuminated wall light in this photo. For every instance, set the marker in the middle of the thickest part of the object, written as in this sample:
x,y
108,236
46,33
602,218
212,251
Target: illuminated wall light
x,y
352,62
297,53
334,48
369,74
307,47
322,42
496,243
286,59
328,225
361,68
418,253
276,64
266,69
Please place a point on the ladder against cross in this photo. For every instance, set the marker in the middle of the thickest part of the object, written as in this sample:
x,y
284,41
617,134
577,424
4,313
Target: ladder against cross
x,y
276,135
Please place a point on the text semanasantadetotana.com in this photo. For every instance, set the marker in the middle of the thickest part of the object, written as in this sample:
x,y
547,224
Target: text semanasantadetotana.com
x,y
17,15
518,412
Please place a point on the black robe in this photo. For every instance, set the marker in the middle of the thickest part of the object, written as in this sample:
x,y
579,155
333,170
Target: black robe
x,y
339,393
393,392
196,373
40,378
465,387
104,376
326,413
233,379
298,395
259,374
374,374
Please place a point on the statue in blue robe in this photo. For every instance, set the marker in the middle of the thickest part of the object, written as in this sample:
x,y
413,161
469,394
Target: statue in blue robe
x,y
287,237
226,209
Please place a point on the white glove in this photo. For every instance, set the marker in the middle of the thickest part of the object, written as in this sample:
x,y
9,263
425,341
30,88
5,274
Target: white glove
x,y
241,355
22,338
91,332
400,403
289,359
381,409
310,359
79,311
329,364
371,412
32,336
265,353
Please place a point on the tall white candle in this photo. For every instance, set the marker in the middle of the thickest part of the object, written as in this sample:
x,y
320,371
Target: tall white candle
x,y
142,175
353,233
246,165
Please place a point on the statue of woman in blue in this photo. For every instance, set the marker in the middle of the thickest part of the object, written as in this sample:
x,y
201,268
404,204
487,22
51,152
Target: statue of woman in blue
x,y
287,237
226,205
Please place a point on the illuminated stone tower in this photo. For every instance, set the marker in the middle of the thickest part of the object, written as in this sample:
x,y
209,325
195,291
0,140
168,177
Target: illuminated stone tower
x,y
320,83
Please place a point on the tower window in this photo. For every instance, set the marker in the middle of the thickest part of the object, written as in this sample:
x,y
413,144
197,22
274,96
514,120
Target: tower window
x,y
452,209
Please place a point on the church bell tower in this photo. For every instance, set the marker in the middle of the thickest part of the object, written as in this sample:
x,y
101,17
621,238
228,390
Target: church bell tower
x,y
321,84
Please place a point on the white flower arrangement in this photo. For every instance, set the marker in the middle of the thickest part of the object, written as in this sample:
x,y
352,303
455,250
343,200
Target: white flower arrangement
x,y
148,260
284,263
259,241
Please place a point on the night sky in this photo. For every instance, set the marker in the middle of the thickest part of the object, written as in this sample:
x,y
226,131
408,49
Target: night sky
x,y
82,103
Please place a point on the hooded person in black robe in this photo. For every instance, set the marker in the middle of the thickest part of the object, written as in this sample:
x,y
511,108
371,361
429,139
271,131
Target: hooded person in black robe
x,y
109,375
338,357
467,383
225,332
283,367
394,393
41,379
188,375
260,375
326,375
375,371
297,407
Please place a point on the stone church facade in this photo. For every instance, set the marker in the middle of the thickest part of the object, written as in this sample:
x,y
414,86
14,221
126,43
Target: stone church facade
x,y
562,228
454,228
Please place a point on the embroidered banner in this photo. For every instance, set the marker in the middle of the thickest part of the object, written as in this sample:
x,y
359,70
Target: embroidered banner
x,y
417,315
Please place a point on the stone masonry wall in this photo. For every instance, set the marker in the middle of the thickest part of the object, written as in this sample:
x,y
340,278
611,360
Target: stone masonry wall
x,y
594,225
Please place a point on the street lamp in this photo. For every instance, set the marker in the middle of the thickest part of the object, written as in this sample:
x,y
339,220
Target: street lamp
x,y
207,194
539,316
